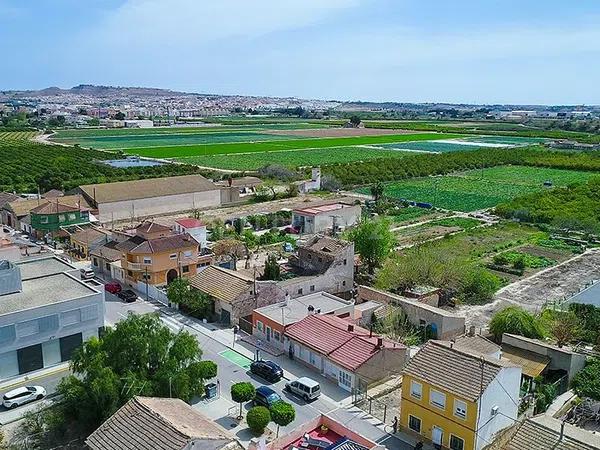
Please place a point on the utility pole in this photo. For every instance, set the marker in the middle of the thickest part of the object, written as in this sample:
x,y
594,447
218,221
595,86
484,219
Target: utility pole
x,y
146,279
482,361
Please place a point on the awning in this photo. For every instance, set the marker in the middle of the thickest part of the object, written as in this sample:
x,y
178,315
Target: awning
x,y
532,363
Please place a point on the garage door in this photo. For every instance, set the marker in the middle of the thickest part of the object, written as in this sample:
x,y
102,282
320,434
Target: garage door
x,y
30,358
225,317
68,344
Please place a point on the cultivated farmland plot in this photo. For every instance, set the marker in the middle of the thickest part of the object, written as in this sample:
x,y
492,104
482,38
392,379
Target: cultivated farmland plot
x,y
481,189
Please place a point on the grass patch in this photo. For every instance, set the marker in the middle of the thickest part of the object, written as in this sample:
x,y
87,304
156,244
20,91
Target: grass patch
x,y
462,222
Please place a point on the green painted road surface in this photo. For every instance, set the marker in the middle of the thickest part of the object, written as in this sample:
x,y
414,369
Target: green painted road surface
x,y
236,358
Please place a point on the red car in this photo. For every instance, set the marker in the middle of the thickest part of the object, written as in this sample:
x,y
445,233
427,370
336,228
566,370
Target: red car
x,y
113,287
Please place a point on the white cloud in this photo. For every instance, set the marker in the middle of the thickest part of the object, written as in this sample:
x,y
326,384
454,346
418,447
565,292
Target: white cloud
x,y
148,22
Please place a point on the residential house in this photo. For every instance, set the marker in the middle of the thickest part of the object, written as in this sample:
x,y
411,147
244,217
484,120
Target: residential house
x,y
245,185
15,214
537,358
321,264
106,261
324,430
457,399
342,351
53,193
323,218
129,200
157,257
51,217
235,295
544,432
477,344
193,227
84,240
46,312
270,322
441,324
7,197
152,423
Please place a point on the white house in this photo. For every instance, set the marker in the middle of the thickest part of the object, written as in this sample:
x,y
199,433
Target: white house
x,y
194,227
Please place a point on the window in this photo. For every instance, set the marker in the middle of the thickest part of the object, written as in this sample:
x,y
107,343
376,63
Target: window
x,y
72,317
95,262
185,269
300,291
277,335
61,218
48,323
320,259
129,273
72,216
416,389
437,399
460,409
309,256
312,358
147,260
456,443
107,266
43,219
188,253
89,313
345,379
173,256
414,423
259,325
28,328
344,283
7,334
146,276
312,288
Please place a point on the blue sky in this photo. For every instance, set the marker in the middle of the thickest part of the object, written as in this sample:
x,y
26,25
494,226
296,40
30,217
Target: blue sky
x,y
471,51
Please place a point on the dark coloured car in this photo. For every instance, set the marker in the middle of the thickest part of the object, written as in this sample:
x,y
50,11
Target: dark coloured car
x,y
267,370
265,396
127,296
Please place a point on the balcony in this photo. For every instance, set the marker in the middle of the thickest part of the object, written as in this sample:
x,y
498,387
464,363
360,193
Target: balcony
x,y
136,267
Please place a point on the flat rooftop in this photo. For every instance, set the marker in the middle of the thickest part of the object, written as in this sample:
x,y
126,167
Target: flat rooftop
x,y
42,267
296,309
588,296
48,290
315,210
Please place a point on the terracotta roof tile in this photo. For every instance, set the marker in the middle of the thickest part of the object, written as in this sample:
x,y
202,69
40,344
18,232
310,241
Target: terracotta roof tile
x,y
222,284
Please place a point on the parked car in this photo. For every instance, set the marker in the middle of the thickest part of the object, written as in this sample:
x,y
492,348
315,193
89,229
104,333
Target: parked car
x,y
87,274
291,230
127,296
267,370
304,387
113,287
22,395
265,396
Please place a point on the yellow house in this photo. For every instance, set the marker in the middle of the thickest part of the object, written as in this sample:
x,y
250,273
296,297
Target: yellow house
x,y
457,399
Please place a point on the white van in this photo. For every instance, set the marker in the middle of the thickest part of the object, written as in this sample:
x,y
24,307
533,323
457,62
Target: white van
x,y
87,274
304,387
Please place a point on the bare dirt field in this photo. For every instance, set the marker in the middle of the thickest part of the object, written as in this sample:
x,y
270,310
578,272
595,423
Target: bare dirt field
x,y
549,285
338,132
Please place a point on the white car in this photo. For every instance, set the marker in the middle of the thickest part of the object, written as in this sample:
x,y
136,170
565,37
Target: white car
x,y
22,395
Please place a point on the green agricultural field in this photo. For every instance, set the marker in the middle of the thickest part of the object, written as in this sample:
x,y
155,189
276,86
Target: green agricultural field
x,y
76,134
480,189
16,136
292,159
290,144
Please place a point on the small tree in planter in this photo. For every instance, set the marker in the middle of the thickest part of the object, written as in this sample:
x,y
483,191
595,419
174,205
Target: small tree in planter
x,y
258,418
242,392
282,414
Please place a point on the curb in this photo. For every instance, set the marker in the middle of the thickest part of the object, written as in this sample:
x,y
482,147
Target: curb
x,y
34,377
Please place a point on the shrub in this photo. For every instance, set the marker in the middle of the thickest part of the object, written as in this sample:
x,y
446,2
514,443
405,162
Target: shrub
x,y
258,418
282,414
515,320
587,382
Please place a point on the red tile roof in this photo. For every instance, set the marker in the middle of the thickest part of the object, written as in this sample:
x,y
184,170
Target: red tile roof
x,y
54,208
190,223
332,336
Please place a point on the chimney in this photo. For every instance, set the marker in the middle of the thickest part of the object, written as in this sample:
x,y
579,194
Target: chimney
x,y
472,330
350,327
379,342
311,309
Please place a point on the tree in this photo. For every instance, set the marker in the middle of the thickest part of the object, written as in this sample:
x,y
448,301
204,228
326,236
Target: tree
x,y
242,392
178,290
230,247
291,190
515,320
355,120
239,224
373,240
139,356
564,328
282,413
272,270
258,418
192,301
478,286
587,381
120,115
377,191
330,183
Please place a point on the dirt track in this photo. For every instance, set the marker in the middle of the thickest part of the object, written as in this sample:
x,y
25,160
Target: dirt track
x,y
552,284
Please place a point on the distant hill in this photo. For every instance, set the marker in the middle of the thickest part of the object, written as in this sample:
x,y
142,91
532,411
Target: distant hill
x,y
100,91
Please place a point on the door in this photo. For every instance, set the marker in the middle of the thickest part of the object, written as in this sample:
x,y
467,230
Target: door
x,y
437,436
268,334
30,358
69,344
225,317
171,275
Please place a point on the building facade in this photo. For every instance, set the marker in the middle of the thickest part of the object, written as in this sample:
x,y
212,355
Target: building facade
x,y
320,219
46,312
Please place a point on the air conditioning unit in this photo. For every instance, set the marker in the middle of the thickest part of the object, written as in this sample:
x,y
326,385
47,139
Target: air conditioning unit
x,y
494,410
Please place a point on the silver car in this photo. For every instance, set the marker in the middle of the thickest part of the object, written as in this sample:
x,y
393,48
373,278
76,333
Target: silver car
x,y
22,395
